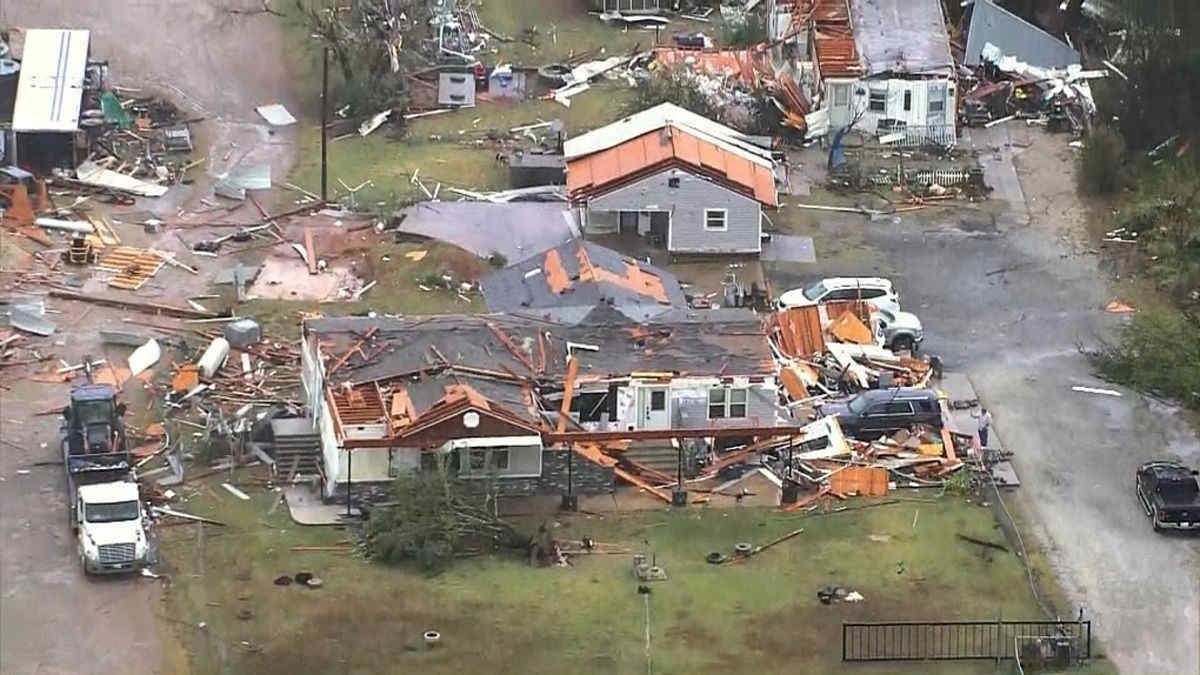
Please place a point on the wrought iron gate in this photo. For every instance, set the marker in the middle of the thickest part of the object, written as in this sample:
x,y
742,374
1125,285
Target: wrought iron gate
x,y
952,640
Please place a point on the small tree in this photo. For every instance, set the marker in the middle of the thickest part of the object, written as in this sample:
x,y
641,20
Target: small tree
x,y
1100,161
747,32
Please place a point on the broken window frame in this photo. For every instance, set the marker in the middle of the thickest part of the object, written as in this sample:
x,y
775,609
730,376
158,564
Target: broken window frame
x,y
708,220
497,463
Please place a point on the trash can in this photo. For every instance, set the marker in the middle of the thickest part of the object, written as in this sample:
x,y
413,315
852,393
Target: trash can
x,y
679,498
570,502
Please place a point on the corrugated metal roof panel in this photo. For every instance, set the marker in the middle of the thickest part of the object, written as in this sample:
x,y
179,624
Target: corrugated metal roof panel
x,y
50,91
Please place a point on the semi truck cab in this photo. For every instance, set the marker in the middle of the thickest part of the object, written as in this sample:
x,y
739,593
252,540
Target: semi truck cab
x,y
110,528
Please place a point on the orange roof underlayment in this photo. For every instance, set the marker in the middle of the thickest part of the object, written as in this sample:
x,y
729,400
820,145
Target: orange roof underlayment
x,y
635,278
746,66
669,146
833,38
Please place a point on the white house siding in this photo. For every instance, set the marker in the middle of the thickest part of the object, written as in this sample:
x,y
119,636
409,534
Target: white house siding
x,y
917,115
686,205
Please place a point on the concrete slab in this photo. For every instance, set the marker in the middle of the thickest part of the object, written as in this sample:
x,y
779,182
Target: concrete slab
x,y
307,508
288,279
789,248
516,230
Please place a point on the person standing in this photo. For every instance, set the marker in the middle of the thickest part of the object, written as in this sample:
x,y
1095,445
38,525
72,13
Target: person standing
x,y
985,424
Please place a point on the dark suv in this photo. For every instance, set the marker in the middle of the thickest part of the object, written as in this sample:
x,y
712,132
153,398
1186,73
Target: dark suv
x,y
878,412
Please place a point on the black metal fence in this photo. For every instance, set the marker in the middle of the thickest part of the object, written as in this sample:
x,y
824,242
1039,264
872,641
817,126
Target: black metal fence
x,y
952,640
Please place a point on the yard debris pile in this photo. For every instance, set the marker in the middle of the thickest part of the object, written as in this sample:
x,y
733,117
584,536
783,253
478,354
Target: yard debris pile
x,y
1005,88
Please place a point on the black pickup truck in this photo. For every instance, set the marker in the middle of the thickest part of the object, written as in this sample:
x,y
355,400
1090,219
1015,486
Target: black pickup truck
x,y
1170,495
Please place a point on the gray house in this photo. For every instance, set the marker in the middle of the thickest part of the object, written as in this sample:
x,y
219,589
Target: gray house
x,y
683,181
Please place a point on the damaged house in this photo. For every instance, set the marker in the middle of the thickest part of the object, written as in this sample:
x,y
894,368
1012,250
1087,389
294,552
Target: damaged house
x,y
685,182
566,283
388,395
884,66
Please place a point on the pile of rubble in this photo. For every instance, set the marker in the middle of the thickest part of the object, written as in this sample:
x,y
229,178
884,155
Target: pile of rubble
x,y
1004,88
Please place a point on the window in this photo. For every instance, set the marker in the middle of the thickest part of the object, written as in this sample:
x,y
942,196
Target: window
x,y
878,101
478,461
841,95
673,181
658,400
502,462
590,406
716,403
715,219
499,460
937,99
726,402
907,100
627,221
897,408
737,402
815,292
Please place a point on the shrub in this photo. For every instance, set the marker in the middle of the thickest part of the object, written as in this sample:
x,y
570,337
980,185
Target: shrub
x,y
1100,161
1158,351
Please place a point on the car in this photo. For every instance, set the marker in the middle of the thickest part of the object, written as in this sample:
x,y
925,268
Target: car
x,y
877,292
1169,494
897,330
878,412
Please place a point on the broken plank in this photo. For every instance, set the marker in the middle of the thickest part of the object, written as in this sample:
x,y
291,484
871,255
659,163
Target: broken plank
x,y
151,307
310,251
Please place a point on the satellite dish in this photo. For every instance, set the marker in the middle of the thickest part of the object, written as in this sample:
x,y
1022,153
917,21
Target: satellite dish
x,y
471,419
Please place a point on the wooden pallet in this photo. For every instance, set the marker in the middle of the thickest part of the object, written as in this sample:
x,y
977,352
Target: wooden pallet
x,y
133,267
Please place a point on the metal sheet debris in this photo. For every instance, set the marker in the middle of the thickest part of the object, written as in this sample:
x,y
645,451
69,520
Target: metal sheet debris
x,y
92,173
276,115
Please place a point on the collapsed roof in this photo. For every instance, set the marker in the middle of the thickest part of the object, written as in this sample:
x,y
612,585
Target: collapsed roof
x,y
494,364
902,37
567,282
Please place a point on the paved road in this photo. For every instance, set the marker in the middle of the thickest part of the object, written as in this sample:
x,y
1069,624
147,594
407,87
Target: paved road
x,y
1016,334
211,63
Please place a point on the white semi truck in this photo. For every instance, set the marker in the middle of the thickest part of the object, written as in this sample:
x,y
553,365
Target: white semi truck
x,y
106,512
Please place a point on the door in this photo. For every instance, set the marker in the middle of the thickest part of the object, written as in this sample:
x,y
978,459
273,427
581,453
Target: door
x,y
627,222
660,222
654,408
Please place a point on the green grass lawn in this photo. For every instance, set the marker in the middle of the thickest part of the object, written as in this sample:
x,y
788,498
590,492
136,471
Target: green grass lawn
x,y
451,148
566,29
497,614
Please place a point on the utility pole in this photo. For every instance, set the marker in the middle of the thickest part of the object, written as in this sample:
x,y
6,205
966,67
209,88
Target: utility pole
x,y
324,122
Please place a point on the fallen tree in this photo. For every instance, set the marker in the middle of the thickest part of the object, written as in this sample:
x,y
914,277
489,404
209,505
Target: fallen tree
x,y
433,520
